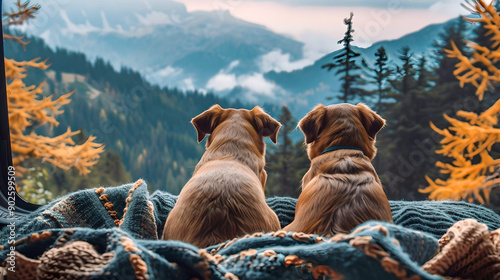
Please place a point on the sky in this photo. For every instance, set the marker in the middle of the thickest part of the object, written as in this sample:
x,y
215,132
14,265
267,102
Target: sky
x,y
316,22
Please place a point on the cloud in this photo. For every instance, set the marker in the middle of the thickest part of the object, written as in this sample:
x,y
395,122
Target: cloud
x,y
315,47
168,71
147,4
187,84
87,28
221,82
72,28
224,80
167,76
232,65
253,84
235,4
256,83
105,24
154,18
46,35
278,61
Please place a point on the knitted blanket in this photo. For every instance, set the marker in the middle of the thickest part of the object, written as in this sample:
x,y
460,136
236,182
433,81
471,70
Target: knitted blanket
x,y
112,233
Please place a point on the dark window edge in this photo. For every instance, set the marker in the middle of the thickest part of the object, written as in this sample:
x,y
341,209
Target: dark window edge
x,y
21,207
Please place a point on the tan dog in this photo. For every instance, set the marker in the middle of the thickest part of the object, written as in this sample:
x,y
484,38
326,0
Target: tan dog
x,y
341,189
225,196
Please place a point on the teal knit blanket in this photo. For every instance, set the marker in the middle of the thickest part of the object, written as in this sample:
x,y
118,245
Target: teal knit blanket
x,y
112,233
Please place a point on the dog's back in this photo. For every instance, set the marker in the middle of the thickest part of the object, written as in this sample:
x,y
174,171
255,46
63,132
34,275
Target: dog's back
x,y
341,189
345,193
225,197
222,201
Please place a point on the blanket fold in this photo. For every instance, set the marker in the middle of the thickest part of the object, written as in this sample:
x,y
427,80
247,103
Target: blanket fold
x,y
112,233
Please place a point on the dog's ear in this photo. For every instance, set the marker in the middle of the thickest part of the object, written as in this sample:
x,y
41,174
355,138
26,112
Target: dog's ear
x,y
312,123
265,124
205,122
372,122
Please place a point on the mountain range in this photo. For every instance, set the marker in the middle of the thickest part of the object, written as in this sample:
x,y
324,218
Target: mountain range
x,y
207,51
148,123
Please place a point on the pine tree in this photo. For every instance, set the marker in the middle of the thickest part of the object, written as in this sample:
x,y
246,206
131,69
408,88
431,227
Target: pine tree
x,y
473,173
286,161
379,76
28,108
453,32
283,153
422,93
405,74
446,86
411,84
424,75
345,64
407,127
404,84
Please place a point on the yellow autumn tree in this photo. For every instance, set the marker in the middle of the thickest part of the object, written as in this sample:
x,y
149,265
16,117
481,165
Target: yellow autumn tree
x,y
30,108
473,173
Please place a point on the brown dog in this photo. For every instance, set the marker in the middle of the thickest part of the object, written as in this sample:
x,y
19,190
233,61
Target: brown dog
x,y
341,189
225,196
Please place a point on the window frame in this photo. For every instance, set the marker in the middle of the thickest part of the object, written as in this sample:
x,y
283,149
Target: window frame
x,y
21,207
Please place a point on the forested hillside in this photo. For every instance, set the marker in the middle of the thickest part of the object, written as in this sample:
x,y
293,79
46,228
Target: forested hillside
x,y
148,126
411,92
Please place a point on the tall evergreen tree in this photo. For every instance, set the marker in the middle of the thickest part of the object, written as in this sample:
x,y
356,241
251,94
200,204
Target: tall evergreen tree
x,y
287,162
403,83
284,152
447,87
424,75
453,32
422,93
345,63
407,129
379,76
405,78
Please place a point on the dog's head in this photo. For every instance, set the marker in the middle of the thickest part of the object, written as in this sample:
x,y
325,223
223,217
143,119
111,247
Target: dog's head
x,y
341,125
236,123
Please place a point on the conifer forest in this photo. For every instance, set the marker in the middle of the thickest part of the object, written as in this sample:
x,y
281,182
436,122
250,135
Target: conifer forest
x,y
78,122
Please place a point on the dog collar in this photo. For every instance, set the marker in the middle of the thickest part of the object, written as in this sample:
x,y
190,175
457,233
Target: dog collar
x,y
334,148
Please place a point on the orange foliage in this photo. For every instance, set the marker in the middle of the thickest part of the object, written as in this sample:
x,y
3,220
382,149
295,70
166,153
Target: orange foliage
x,y
470,70
473,138
28,108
